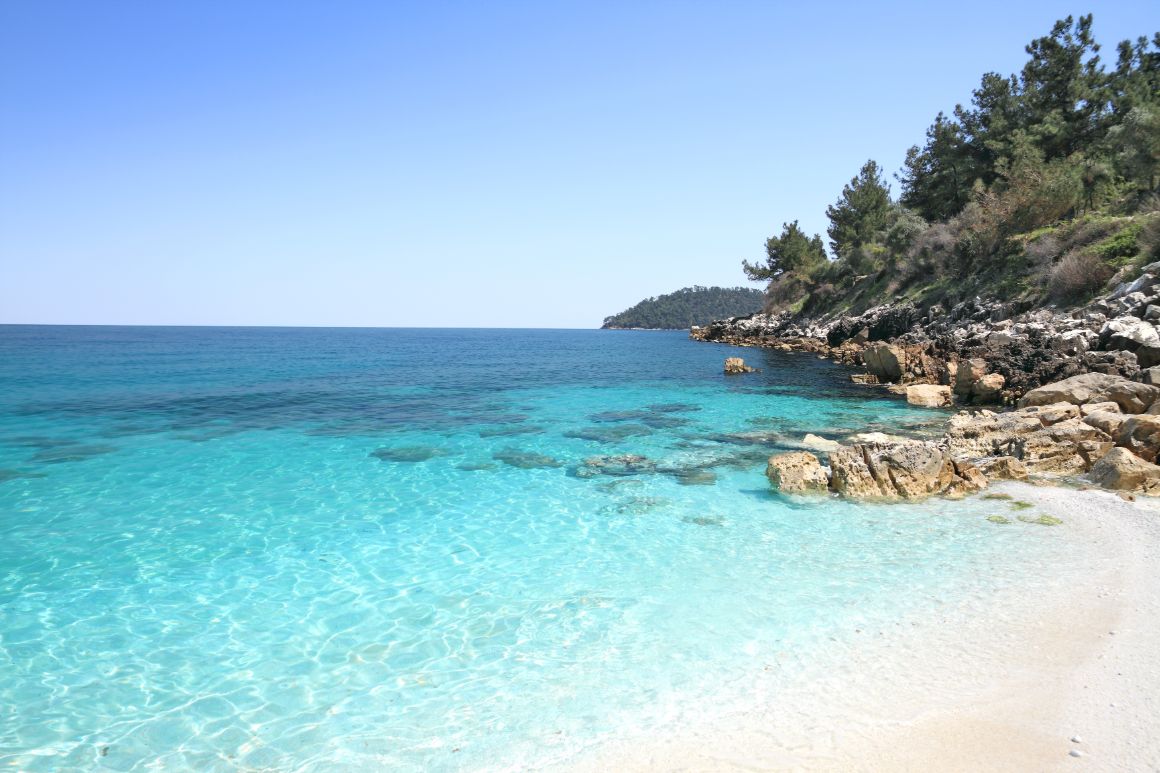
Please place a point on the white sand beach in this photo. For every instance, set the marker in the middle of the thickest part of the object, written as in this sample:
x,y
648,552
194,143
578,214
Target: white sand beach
x,y
1019,682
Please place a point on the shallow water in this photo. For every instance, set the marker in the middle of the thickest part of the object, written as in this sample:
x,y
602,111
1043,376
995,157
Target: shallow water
x,y
304,549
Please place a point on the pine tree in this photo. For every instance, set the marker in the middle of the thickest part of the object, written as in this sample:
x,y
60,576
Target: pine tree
x,y
792,251
860,213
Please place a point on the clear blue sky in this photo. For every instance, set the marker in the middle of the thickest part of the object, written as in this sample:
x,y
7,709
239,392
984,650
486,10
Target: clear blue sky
x,y
451,164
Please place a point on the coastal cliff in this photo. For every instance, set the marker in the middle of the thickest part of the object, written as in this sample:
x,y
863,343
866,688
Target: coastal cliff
x,y
988,352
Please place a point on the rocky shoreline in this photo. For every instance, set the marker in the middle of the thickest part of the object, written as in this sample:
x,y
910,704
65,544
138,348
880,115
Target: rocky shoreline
x,y
1077,392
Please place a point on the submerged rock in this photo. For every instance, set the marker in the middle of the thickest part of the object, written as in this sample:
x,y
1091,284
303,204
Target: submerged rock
x,y
525,460
664,422
704,520
797,472
609,434
70,452
475,466
622,465
694,477
613,416
7,475
407,454
636,505
518,429
673,408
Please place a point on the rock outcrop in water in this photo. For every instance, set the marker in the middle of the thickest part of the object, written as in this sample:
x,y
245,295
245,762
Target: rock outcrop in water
x,y
735,365
797,472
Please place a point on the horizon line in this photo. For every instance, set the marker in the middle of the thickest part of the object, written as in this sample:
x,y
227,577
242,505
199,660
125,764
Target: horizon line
x,y
318,327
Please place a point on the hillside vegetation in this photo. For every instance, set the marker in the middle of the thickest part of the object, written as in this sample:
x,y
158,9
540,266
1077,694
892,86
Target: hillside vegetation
x,y
1041,189
687,307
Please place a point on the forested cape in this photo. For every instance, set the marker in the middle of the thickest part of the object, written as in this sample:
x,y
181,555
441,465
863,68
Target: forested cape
x,y
687,307
1040,189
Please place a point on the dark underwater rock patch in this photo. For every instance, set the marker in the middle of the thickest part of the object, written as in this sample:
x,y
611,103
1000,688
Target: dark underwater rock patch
x,y
210,434
40,442
664,422
616,466
71,453
704,520
742,438
614,416
635,506
518,429
475,466
695,477
613,434
131,430
525,460
7,475
616,484
408,454
674,408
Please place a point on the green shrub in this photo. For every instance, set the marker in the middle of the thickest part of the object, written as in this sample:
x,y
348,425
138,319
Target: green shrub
x,y
1121,247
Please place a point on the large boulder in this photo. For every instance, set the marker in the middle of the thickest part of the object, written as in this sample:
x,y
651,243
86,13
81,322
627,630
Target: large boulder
x,y
928,395
886,361
819,443
1002,468
1051,414
1121,470
984,433
1043,439
797,472
1131,396
1128,333
1151,375
1089,408
1141,436
967,373
898,471
1067,448
1145,281
1106,421
988,388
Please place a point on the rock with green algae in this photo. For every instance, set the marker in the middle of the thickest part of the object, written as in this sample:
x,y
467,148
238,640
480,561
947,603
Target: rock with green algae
x,y
998,519
1042,520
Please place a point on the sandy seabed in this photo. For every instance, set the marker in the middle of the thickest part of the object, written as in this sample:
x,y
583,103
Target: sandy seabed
x,y
1067,680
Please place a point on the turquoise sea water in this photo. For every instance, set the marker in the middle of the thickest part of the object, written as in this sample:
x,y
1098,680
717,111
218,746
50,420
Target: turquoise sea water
x,y
284,549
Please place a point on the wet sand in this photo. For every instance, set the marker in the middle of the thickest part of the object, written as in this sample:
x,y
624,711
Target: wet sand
x,y
1004,688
